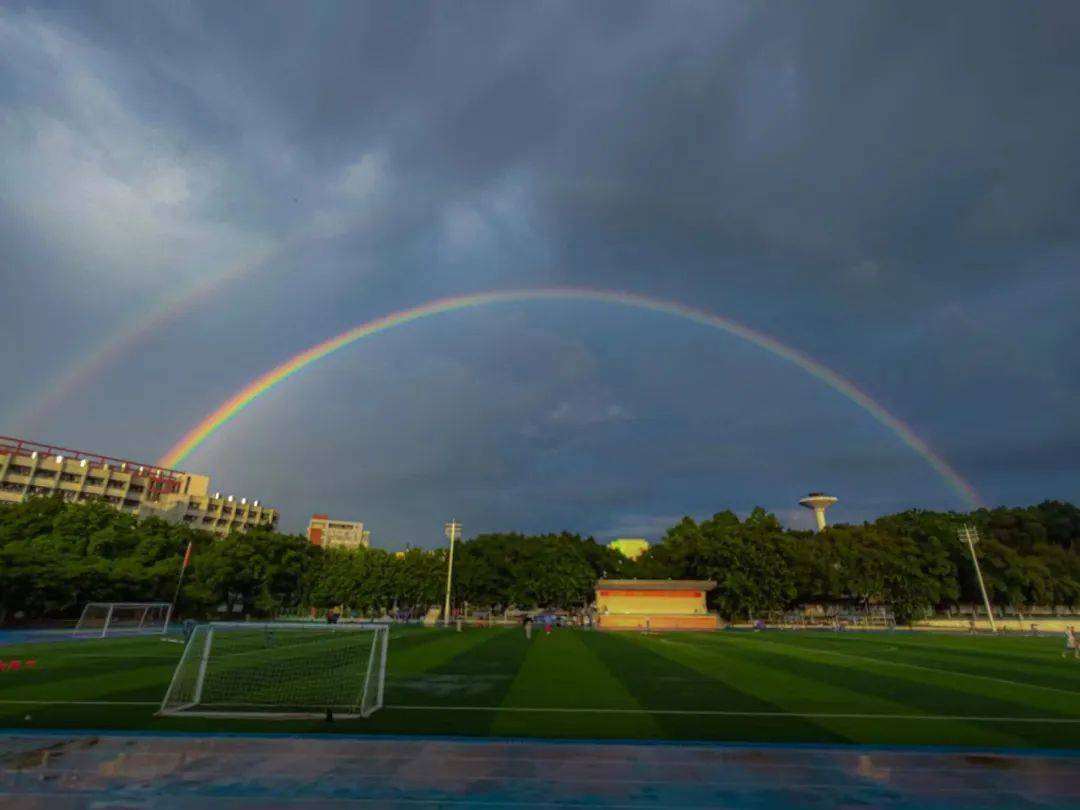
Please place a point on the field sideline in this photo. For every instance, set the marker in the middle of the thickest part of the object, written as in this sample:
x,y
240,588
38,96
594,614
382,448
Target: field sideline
x,y
886,688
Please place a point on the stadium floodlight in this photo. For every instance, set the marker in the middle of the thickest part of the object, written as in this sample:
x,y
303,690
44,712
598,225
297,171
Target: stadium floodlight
x,y
453,531
102,619
970,535
280,670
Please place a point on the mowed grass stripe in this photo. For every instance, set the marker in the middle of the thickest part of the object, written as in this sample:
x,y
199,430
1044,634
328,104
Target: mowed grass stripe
x,y
876,717
415,653
150,648
847,702
761,680
137,669
770,688
923,693
561,669
927,688
812,688
438,668
1031,661
1032,697
6,702
660,682
473,667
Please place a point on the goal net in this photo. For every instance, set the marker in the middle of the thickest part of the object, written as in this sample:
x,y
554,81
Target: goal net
x,y
279,670
101,619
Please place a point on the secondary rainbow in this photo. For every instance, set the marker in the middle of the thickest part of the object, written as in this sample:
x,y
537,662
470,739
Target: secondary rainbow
x,y
229,409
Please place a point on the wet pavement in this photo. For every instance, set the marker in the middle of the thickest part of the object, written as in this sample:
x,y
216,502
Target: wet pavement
x,y
57,770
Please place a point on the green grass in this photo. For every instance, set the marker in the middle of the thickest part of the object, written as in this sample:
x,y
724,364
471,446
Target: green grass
x,y
777,686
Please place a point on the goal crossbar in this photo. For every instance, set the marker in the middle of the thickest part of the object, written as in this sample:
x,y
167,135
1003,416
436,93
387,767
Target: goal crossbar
x,y
279,670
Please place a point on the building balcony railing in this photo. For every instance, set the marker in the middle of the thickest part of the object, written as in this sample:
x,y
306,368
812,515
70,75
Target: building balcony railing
x,y
164,479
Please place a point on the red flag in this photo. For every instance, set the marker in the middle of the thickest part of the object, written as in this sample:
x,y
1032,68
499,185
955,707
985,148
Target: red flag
x,y
187,556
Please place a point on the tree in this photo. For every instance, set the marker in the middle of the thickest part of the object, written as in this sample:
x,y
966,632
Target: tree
x,y
748,561
55,556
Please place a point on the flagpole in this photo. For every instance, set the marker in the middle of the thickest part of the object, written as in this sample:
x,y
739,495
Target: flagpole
x,y
179,582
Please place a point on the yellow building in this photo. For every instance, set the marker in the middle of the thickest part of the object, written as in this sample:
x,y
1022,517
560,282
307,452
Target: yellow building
x,y
30,469
322,531
630,547
654,604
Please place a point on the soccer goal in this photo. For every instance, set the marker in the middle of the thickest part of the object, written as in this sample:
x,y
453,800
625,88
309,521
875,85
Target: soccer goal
x,y
101,619
279,670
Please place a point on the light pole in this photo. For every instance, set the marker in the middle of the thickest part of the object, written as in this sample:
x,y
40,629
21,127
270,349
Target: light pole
x,y
970,535
453,531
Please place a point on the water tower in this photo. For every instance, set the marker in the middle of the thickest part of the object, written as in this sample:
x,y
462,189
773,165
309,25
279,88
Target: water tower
x,y
819,502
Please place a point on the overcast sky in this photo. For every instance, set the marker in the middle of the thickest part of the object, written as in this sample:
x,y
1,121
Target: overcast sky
x,y
890,188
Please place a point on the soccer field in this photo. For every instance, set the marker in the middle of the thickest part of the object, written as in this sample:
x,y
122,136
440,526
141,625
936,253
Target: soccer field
x,y
886,688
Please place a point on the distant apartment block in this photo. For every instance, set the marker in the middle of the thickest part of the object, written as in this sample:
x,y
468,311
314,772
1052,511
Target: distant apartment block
x,y
29,469
322,531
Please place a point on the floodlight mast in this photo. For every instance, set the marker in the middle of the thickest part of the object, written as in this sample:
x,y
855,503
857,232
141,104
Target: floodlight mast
x,y
453,531
970,535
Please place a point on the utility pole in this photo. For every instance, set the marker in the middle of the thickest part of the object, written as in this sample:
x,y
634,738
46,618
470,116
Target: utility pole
x,y
453,531
970,535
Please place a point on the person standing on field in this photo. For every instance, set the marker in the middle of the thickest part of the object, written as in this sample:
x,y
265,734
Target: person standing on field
x,y
528,623
1071,643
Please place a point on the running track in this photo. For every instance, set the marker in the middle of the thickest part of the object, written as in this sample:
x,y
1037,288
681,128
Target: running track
x,y
79,770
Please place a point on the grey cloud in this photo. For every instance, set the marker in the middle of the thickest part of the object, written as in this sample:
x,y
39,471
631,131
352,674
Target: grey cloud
x,y
890,187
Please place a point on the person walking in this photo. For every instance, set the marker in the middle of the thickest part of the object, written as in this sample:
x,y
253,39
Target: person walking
x,y
1071,643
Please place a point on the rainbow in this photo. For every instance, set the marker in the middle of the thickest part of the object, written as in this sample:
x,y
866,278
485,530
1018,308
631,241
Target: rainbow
x,y
87,366
229,409
90,364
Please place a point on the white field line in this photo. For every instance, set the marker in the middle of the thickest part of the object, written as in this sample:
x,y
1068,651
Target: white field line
x,y
400,801
581,710
720,713
951,672
5,701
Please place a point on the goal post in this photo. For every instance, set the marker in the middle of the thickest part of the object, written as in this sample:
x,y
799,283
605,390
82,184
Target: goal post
x,y
103,619
279,670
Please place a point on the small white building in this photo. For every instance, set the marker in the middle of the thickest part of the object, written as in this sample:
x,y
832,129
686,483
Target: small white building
x,y
322,531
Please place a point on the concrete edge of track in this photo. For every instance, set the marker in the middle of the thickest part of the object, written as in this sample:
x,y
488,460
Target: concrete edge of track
x,y
1057,753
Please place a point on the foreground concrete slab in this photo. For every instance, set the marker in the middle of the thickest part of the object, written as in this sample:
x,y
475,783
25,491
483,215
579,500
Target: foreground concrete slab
x,y
54,770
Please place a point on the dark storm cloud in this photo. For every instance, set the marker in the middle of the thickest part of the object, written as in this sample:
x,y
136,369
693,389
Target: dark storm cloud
x,y
892,187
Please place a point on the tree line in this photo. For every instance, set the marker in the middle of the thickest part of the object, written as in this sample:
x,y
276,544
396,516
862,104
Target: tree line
x,y
56,556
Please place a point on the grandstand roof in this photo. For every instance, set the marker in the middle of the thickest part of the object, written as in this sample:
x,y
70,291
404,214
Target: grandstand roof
x,y
656,584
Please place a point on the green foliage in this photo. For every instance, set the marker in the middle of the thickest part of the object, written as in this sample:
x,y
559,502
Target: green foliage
x,y
748,561
543,571
56,556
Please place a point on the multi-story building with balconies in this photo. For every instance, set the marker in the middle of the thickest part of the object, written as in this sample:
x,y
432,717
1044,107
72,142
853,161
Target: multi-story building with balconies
x,y
29,469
